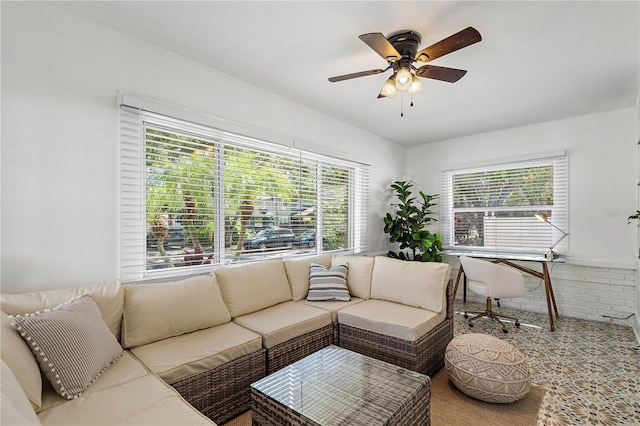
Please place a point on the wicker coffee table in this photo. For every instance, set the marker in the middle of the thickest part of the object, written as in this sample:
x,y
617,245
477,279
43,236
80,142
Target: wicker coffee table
x,y
335,386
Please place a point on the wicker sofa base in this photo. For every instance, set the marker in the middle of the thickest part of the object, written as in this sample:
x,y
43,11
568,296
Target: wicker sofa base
x,y
425,355
224,392
288,352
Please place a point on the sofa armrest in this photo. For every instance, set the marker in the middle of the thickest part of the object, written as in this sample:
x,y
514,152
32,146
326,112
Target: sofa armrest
x,y
450,299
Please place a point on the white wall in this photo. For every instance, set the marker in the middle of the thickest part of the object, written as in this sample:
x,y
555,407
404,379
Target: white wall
x,y
602,175
600,274
60,77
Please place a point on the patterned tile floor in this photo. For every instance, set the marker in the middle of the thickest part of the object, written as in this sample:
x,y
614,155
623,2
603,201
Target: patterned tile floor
x,y
590,369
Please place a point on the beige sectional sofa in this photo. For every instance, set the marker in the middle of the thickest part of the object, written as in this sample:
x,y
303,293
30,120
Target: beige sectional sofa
x,y
200,342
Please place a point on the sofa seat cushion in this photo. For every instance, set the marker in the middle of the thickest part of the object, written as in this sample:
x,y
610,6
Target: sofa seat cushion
x,y
284,321
251,287
127,368
143,401
391,319
298,273
156,311
419,284
332,306
183,356
359,274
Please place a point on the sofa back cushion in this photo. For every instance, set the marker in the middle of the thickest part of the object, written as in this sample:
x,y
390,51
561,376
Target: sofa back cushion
x,y
71,343
359,274
419,284
157,311
109,296
298,273
251,287
16,409
17,355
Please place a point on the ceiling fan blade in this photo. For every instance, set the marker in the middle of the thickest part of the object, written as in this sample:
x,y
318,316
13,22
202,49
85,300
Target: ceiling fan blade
x,y
450,75
379,43
354,75
461,39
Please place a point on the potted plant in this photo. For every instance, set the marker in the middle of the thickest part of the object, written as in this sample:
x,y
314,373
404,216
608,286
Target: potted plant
x,y
407,226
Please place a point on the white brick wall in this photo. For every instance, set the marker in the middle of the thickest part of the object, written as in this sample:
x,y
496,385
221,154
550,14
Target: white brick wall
x,y
581,292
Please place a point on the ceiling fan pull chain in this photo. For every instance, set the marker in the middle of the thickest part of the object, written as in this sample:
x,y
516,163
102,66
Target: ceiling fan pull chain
x,y
401,104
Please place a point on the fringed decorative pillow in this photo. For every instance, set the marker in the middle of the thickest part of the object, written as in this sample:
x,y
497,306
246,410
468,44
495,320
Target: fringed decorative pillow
x,y
328,284
72,343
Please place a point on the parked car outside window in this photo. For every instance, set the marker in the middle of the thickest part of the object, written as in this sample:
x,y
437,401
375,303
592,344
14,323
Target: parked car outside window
x,y
306,239
270,238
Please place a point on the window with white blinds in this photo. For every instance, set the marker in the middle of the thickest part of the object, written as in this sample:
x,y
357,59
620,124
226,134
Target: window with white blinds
x,y
493,207
192,196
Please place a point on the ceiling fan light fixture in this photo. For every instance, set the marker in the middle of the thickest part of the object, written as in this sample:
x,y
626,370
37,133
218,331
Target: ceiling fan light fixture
x,y
403,79
389,89
400,50
416,85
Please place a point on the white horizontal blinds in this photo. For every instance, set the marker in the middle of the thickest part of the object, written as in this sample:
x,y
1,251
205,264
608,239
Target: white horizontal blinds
x,y
494,207
559,214
132,217
335,184
305,212
193,196
180,166
264,190
360,208
446,209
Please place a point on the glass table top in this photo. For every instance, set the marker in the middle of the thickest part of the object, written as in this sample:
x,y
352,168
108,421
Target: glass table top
x,y
338,386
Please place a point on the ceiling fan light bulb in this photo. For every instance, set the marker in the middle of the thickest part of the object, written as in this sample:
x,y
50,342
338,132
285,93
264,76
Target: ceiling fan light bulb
x,y
389,89
403,79
416,85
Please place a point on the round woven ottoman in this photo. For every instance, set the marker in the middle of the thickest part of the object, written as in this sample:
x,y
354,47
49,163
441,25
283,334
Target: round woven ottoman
x,y
487,368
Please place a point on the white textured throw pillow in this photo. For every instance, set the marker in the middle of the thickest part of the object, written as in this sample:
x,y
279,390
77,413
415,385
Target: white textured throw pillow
x,y
72,344
328,284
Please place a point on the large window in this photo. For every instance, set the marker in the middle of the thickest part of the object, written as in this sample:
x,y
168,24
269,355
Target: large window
x,y
193,196
493,207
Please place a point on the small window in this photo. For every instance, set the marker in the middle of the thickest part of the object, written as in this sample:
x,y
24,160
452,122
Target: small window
x,y
493,207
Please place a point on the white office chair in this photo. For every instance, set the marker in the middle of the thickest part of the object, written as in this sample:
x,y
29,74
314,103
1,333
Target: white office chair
x,y
493,281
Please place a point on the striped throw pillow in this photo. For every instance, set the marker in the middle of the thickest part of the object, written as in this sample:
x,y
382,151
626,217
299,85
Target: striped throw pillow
x,y
328,284
72,343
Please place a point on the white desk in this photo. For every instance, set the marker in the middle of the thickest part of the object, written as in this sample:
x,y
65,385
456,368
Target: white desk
x,y
509,259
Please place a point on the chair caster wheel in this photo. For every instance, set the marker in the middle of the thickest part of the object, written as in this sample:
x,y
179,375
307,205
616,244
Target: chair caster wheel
x,y
518,324
505,331
466,316
470,325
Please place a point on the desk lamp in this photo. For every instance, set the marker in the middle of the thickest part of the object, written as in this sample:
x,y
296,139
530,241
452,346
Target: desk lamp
x,y
550,255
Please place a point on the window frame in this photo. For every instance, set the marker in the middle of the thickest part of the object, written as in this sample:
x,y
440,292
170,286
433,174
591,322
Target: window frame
x,y
558,211
133,221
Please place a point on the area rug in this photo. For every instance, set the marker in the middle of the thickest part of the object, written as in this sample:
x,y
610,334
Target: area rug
x,y
450,407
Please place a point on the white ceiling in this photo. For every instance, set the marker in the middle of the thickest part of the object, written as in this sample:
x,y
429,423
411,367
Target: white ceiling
x,y
538,61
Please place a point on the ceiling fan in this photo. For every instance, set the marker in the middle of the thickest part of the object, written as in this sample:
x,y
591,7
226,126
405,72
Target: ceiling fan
x,y
400,50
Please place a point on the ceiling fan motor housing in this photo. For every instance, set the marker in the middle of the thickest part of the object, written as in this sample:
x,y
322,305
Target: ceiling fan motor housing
x,y
406,42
